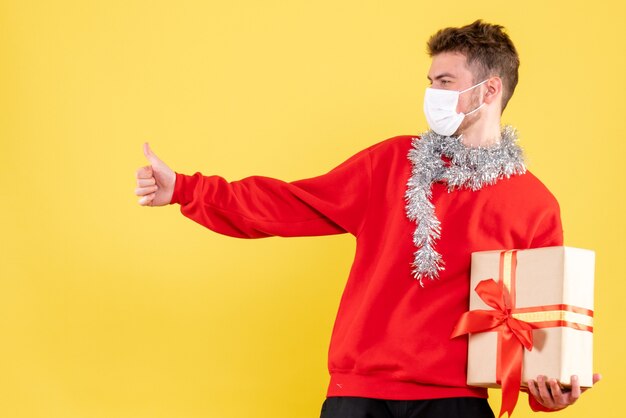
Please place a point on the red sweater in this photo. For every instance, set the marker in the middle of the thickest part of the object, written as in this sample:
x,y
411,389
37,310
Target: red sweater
x,y
391,338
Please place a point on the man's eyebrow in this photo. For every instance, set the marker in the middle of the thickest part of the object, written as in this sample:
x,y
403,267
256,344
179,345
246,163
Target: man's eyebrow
x,y
440,76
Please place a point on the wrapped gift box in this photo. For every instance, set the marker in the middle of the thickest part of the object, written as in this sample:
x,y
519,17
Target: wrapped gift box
x,y
551,288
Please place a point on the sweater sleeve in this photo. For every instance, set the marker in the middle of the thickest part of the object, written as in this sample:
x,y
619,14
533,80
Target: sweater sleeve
x,y
549,231
257,207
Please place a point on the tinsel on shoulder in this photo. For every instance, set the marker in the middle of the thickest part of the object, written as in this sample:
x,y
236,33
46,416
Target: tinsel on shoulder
x,y
469,167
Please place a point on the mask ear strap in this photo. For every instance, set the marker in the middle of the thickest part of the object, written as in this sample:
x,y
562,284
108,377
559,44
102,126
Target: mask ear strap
x,y
474,86
469,113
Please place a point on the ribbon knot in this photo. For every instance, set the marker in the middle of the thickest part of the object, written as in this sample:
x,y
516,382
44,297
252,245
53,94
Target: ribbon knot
x,y
500,319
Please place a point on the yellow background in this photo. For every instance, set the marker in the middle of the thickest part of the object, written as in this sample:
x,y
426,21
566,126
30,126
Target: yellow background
x,y
109,309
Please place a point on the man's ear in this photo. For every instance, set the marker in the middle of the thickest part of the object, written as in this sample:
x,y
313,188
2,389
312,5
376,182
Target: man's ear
x,y
494,89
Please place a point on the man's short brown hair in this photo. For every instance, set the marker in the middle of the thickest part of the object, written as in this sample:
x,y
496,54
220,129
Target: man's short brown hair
x,y
488,49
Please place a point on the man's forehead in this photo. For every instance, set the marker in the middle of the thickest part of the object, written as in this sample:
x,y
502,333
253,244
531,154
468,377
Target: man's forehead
x,y
448,64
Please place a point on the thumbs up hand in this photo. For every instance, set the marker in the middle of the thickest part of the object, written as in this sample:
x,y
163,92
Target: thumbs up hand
x,y
155,182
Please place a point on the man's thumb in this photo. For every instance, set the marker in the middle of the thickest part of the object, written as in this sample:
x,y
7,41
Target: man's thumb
x,y
151,156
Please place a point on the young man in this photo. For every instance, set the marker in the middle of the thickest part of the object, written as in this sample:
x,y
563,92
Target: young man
x,y
458,188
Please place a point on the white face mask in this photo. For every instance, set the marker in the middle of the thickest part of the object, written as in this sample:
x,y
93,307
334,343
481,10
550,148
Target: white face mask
x,y
440,109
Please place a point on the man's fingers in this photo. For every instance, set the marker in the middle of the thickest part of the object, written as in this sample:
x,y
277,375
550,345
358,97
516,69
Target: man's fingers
x,y
532,387
147,200
544,394
146,150
145,172
575,394
557,394
146,182
596,378
150,155
143,191
550,394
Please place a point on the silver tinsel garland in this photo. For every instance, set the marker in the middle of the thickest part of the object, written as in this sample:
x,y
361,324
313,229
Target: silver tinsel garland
x,y
469,167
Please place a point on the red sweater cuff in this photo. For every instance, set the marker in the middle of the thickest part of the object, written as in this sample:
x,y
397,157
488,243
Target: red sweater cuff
x,y
184,188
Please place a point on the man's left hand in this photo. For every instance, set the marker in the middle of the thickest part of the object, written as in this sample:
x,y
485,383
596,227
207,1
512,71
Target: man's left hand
x,y
548,392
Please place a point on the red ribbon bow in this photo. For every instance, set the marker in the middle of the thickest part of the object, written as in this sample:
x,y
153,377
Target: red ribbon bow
x,y
513,336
